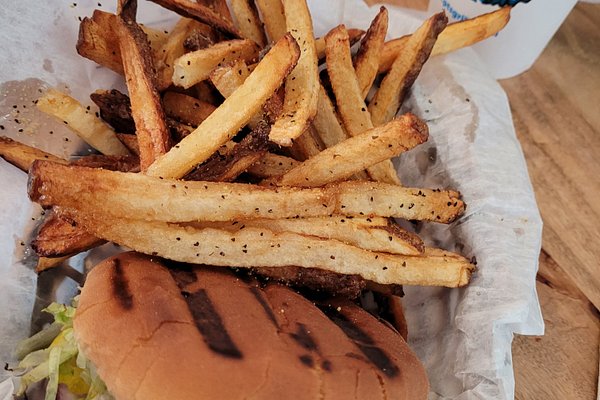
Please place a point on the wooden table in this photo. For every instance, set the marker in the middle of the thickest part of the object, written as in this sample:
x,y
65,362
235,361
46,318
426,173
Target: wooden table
x,y
556,111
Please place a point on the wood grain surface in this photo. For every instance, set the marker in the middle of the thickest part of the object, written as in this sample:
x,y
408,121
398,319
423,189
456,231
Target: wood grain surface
x,y
556,110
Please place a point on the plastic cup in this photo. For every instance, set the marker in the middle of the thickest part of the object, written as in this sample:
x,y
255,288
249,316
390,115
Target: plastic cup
x,y
514,49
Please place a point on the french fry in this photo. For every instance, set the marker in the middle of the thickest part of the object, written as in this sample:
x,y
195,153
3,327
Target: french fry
x,y
172,49
115,109
357,153
138,65
186,109
375,234
272,165
246,18
145,197
22,156
201,13
111,163
228,78
232,115
131,142
46,263
196,66
354,35
83,122
326,123
366,62
456,36
405,70
306,145
302,85
97,40
250,247
57,237
227,167
273,17
351,105
218,6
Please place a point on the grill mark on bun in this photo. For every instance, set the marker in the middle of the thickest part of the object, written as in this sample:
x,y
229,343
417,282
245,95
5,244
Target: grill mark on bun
x,y
307,360
303,338
257,293
210,324
121,286
365,343
182,275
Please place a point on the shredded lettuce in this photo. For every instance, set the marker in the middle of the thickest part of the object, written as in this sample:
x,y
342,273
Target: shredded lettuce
x,y
61,362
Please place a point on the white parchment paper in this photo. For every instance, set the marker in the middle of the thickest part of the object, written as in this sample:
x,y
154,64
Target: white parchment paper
x,y
463,336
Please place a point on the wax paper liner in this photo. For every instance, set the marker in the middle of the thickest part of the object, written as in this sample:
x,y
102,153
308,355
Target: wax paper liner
x,y
463,336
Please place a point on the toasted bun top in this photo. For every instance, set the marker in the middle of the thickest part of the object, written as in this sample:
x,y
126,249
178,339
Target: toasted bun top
x,y
202,333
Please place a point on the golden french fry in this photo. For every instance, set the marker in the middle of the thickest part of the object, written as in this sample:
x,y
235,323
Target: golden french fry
x,y
246,18
201,13
272,165
196,66
22,156
366,62
145,197
456,36
232,115
405,70
354,35
218,6
131,142
250,247
357,153
302,85
351,105
228,78
374,234
97,40
146,108
306,145
171,50
273,17
326,123
186,109
83,122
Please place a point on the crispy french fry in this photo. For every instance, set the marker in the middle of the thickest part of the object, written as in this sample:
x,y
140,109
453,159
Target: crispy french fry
x,y
146,107
218,6
273,17
45,263
196,66
354,35
186,109
131,142
145,197
456,36
97,40
227,167
232,115
246,18
302,86
366,62
375,234
112,163
201,13
172,49
405,70
306,145
326,123
83,122
22,156
272,165
357,153
253,246
228,78
115,109
57,237
351,105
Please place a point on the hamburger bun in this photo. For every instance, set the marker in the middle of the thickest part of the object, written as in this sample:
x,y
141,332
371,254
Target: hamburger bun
x,y
203,333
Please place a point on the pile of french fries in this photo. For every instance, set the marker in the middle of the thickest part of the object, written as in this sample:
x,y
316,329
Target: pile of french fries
x,y
231,149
